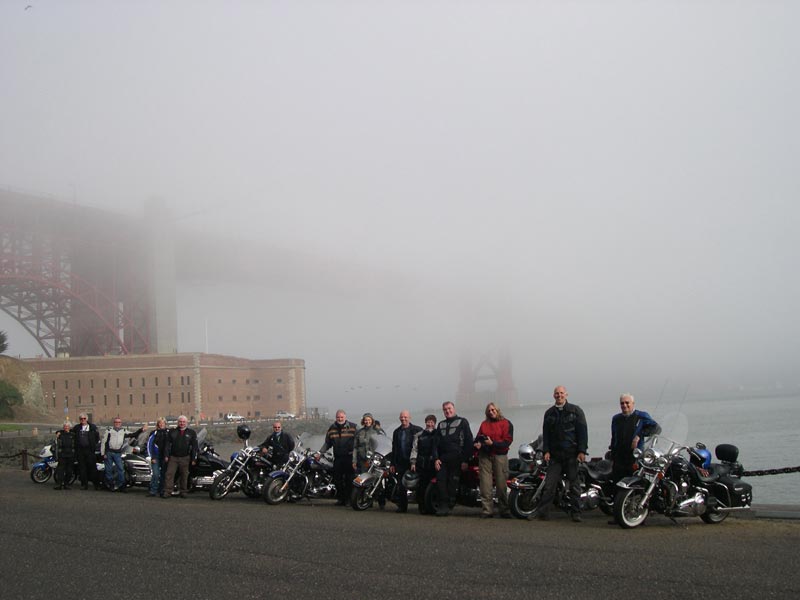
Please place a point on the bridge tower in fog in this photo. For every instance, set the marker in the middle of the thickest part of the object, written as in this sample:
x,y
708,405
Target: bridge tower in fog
x,y
87,282
505,394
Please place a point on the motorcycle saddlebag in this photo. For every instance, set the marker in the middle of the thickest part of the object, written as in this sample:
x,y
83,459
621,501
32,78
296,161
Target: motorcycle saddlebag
x,y
727,453
741,492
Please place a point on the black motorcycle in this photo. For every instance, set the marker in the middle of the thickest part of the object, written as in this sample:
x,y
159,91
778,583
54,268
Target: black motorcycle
x,y
377,482
597,488
303,476
248,471
678,481
209,463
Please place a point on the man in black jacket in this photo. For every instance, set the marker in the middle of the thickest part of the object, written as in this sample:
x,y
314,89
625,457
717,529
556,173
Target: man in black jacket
x,y
281,444
452,450
402,441
341,437
564,441
422,459
65,454
181,450
86,440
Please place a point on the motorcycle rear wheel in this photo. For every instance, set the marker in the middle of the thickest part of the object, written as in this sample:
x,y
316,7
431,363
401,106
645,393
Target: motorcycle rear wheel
x,y
359,499
712,517
219,489
626,508
41,474
273,492
523,502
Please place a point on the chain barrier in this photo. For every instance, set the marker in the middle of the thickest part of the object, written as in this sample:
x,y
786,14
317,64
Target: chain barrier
x,y
762,472
12,455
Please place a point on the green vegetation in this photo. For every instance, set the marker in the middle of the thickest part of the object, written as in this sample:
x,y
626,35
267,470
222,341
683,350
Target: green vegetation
x,y
3,342
10,427
9,395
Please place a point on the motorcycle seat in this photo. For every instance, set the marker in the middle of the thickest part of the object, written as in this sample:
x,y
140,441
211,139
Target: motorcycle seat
x,y
599,469
710,477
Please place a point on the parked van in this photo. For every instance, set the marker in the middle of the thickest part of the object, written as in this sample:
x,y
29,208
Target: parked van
x,y
234,418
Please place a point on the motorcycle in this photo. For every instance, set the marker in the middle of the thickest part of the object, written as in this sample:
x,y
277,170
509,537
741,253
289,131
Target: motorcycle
x,y
594,477
201,475
680,481
303,476
45,468
469,492
135,463
248,470
378,481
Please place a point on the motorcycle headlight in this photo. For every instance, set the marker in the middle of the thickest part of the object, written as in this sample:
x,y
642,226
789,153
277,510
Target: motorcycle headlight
x,y
637,453
649,457
661,462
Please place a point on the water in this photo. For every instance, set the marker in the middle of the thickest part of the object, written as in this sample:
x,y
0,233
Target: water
x,y
764,429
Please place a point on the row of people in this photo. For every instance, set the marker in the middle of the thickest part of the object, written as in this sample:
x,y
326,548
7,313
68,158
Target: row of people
x,y
170,452
442,449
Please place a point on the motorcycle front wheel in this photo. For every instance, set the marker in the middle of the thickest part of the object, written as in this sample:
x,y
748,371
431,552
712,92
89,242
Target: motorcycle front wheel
x,y
41,474
274,492
359,499
523,502
626,508
219,489
431,499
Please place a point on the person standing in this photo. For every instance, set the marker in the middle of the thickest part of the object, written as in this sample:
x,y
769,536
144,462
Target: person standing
x,y
281,444
422,459
86,439
180,452
628,430
156,446
65,454
565,439
111,447
493,441
402,440
363,443
341,436
452,450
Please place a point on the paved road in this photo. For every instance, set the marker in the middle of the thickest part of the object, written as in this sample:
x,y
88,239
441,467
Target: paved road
x,y
242,548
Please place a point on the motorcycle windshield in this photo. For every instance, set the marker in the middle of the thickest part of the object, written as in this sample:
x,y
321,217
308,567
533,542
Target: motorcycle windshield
x,y
201,438
381,444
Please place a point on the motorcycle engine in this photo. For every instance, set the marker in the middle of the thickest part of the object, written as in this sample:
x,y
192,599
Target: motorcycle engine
x,y
590,498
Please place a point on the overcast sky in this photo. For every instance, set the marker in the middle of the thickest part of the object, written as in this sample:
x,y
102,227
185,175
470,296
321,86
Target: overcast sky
x,y
607,189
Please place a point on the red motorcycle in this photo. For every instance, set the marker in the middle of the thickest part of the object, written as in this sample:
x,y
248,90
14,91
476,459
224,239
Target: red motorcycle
x,y
469,491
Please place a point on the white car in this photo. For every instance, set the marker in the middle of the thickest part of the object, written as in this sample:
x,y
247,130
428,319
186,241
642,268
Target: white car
x,y
233,417
282,414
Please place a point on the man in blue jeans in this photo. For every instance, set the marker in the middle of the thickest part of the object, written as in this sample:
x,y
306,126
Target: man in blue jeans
x,y
156,445
111,447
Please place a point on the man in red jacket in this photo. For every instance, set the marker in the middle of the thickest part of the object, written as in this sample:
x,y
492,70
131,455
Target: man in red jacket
x,y
493,440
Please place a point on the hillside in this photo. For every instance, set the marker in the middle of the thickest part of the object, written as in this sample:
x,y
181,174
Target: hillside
x,y
27,381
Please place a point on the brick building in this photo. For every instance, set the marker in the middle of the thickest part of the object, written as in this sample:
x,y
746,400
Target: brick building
x,y
147,386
